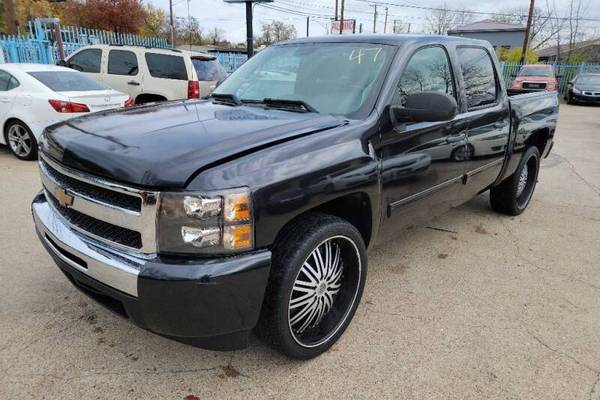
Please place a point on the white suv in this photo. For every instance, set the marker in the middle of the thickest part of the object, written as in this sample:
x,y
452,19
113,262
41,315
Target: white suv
x,y
150,74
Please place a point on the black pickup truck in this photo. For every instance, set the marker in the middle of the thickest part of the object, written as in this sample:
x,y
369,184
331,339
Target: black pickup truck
x,y
253,209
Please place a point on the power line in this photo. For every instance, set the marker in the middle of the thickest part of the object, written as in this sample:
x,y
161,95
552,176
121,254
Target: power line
x,y
417,7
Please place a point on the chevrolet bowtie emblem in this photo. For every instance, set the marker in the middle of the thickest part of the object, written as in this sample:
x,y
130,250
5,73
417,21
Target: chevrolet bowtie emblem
x,y
64,198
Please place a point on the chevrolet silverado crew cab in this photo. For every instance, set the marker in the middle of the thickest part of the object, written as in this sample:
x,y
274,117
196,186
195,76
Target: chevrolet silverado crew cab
x,y
203,220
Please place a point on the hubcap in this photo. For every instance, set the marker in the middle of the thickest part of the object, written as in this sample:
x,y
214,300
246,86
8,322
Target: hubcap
x,y
19,140
523,181
324,291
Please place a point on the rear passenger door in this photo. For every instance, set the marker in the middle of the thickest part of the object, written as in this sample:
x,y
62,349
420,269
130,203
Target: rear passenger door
x,y
488,116
167,76
123,72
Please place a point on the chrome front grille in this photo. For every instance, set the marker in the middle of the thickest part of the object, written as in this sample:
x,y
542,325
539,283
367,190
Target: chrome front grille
x,y
118,215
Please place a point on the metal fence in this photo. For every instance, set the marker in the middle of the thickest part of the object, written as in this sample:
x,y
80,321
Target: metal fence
x,y
230,61
39,46
564,72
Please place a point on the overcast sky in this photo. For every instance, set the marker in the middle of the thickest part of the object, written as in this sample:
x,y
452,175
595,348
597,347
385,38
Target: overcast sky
x,y
231,17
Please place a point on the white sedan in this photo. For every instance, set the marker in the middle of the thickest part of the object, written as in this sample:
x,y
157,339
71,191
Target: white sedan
x,y
34,96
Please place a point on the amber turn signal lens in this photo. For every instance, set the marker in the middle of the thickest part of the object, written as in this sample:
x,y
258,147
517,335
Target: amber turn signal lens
x,y
237,237
237,207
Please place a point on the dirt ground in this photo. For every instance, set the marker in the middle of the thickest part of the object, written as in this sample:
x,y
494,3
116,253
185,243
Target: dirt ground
x,y
493,308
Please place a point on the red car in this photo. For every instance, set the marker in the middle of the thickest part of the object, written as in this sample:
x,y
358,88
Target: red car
x,y
535,78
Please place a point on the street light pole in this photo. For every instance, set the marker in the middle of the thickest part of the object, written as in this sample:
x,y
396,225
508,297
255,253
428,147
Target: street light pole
x,y
249,30
342,17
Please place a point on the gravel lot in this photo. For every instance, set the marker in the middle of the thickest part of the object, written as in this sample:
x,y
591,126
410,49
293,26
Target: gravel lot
x,y
496,307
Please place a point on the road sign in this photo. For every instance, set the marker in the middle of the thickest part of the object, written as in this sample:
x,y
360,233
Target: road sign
x,y
348,27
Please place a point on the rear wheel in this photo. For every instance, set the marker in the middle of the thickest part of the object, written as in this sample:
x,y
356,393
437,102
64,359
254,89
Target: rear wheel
x,y
21,141
318,275
514,194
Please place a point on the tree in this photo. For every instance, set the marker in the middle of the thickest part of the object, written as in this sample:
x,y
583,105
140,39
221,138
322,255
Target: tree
x,y
189,32
121,16
274,32
155,22
545,26
216,36
513,56
577,9
440,21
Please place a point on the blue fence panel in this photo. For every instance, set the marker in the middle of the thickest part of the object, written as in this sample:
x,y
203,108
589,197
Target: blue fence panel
x,y
230,61
38,46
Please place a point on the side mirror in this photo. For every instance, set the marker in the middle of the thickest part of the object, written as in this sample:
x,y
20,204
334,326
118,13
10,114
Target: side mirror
x,y
425,107
62,63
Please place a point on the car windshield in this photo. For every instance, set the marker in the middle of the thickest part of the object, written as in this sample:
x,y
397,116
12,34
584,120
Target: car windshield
x,y
536,71
68,81
209,69
331,78
589,80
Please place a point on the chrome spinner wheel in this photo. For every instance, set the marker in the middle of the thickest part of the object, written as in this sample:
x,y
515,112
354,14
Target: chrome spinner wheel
x,y
324,291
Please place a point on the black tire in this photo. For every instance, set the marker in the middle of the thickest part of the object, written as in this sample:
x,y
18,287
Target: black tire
x,y
291,252
505,198
26,148
569,98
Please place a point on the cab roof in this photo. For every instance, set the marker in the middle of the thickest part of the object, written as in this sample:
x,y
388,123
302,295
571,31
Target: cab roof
x,y
389,39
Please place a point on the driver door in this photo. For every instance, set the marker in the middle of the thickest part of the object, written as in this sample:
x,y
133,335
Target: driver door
x,y
422,167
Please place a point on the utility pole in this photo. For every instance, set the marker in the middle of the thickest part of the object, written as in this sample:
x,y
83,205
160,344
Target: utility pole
x,y
375,20
528,31
307,26
9,17
342,17
385,23
171,23
336,9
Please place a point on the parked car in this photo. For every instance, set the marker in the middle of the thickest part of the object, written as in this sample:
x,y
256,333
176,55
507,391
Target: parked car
x,y
535,78
150,75
255,207
584,88
33,96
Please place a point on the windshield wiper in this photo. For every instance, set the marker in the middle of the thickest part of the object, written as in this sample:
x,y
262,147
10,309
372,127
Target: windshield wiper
x,y
227,98
289,104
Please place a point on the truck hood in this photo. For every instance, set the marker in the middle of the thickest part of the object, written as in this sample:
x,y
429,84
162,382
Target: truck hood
x,y
165,145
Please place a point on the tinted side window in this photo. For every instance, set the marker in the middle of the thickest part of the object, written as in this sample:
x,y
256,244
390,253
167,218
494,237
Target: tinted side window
x,y
5,79
12,83
209,70
166,66
427,71
87,61
122,62
479,76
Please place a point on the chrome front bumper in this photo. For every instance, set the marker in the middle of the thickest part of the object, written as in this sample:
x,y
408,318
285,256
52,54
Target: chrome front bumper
x,y
117,270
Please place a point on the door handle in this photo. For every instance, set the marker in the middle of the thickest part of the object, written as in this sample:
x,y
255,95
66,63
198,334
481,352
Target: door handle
x,y
133,83
5,100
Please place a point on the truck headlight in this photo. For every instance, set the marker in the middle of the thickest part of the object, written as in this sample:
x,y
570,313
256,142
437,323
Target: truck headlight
x,y
205,223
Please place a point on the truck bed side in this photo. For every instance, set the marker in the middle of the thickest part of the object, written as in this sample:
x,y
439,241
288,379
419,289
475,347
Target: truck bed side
x,y
533,122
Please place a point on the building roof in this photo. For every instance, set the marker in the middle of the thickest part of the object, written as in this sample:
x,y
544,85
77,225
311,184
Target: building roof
x,y
553,50
488,25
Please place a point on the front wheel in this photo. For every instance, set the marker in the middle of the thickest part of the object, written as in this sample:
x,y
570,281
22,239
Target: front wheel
x,y
514,194
318,275
21,141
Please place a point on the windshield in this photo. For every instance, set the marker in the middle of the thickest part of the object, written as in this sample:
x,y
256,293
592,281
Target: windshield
x,y
536,71
209,70
67,81
589,80
331,78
